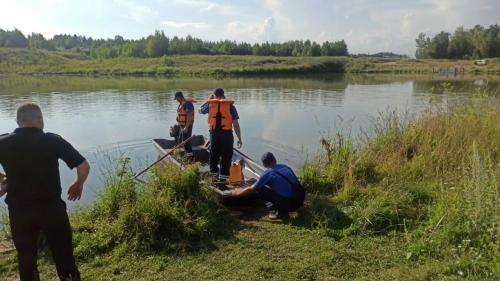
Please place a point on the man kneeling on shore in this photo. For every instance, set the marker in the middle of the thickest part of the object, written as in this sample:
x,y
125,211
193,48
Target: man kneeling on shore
x,y
278,187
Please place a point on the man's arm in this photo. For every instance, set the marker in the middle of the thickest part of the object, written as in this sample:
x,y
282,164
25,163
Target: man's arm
x,y
247,191
76,189
203,109
237,130
189,118
73,159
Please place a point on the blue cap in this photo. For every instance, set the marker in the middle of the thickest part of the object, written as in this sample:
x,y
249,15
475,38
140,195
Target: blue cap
x,y
268,158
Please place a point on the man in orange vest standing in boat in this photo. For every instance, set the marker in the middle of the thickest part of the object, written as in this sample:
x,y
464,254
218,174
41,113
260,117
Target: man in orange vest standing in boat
x,y
185,118
222,118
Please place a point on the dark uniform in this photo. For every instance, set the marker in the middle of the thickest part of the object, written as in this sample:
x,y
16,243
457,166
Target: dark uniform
x,y
30,160
221,114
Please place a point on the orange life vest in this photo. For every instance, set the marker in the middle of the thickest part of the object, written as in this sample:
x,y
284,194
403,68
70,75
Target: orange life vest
x,y
182,114
219,114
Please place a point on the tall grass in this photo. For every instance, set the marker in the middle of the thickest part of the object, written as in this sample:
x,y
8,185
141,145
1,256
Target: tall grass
x,y
169,213
433,176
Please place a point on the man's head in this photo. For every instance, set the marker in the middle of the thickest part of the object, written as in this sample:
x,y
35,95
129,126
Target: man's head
x,y
29,114
179,97
219,93
268,160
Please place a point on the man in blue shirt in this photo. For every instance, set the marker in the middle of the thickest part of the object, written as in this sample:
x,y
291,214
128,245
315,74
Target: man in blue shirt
x,y
185,118
274,187
222,118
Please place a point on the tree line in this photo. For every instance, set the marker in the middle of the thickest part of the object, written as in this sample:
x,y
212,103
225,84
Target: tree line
x,y
476,43
157,45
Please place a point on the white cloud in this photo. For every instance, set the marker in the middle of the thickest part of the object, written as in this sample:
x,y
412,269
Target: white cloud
x,y
324,36
142,14
268,31
208,6
258,32
51,1
406,26
186,24
12,15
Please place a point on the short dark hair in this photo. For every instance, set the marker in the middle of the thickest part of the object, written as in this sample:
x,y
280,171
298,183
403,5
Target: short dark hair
x,y
219,92
268,159
178,95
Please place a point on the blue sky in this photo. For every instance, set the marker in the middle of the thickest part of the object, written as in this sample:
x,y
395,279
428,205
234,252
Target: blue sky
x,y
366,25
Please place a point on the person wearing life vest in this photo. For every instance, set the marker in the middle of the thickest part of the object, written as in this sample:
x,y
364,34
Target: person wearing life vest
x,y
185,119
222,118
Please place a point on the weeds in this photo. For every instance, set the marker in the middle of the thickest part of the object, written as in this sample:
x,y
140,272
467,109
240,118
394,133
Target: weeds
x,y
37,62
433,176
168,213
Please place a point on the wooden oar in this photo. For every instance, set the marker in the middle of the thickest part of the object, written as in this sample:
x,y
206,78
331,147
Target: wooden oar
x,y
163,157
242,154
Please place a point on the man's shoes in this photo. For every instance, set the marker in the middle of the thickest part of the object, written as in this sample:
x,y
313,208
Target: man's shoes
x,y
279,215
222,185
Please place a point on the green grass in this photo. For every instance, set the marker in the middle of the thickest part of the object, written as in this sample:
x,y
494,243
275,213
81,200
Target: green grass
x,y
415,197
39,62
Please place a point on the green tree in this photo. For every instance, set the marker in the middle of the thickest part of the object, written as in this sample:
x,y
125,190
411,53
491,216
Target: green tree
x,y
459,45
157,45
423,45
439,46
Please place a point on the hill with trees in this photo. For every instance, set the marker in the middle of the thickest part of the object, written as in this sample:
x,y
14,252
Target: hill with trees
x,y
158,45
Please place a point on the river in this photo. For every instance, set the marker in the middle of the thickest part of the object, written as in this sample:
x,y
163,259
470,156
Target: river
x,y
112,117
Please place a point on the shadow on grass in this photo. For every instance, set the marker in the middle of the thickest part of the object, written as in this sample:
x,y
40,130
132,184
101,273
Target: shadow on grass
x,y
318,212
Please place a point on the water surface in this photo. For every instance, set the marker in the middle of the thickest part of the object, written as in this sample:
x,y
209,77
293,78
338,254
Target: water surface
x,y
285,115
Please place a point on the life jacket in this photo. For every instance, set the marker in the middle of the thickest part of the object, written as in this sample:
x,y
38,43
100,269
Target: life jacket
x,y
182,114
219,114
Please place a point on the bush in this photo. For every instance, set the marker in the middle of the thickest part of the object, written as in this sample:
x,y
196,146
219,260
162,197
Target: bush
x,y
169,213
167,61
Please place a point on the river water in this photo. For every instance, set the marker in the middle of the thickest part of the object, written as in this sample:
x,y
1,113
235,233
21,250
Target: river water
x,y
112,117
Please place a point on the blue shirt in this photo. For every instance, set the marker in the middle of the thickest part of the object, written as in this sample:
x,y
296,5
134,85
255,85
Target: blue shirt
x,y
232,110
188,107
277,182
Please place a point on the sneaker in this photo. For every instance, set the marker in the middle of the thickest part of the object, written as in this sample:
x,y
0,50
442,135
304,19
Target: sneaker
x,y
279,215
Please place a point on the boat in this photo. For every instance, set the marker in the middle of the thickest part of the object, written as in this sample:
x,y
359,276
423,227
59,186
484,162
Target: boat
x,y
250,171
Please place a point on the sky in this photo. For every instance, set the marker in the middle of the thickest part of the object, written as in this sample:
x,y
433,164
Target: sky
x,y
368,26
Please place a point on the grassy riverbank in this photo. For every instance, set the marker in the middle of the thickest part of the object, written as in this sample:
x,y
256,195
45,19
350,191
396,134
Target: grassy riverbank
x,y
416,198
28,62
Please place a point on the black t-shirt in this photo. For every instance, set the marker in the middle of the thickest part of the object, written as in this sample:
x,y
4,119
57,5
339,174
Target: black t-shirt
x,y
30,159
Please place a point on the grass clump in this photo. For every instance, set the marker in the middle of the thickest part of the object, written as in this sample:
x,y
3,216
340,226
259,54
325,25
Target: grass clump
x,y
169,213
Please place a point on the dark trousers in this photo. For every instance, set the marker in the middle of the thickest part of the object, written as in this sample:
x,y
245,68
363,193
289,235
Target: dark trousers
x,y
184,136
276,202
53,222
221,147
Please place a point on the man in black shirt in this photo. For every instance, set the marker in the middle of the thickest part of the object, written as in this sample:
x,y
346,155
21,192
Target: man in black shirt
x,y
30,160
